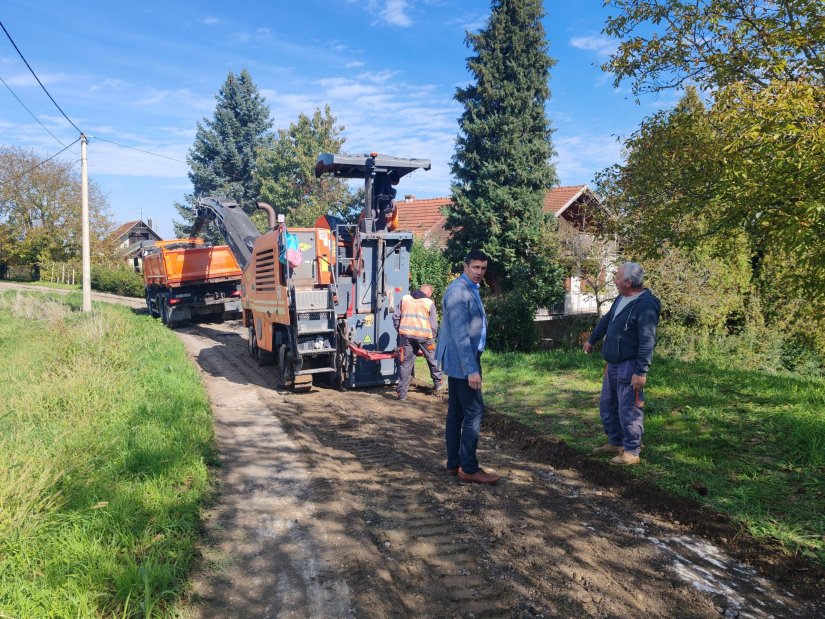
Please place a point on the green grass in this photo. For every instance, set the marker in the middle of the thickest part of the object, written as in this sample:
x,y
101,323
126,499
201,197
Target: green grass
x,y
105,437
755,440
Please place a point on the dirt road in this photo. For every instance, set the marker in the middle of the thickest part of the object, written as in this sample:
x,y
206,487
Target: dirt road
x,y
337,504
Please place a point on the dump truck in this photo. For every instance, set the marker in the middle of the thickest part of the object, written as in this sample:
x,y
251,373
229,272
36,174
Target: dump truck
x,y
326,315
186,278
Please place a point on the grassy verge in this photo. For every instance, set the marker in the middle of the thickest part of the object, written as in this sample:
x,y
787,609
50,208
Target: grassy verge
x,y
755,441
105,435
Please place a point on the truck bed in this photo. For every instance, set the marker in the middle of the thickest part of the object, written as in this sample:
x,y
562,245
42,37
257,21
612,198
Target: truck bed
x,y
182,264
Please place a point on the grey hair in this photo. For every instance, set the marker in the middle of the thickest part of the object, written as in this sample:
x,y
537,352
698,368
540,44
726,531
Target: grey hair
x,y
634,273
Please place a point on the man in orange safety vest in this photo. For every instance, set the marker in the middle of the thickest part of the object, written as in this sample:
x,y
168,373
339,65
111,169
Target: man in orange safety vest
x,y
416,320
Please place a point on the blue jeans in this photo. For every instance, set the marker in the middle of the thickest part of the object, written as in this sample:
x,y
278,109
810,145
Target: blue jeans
x,y
623,421
465,410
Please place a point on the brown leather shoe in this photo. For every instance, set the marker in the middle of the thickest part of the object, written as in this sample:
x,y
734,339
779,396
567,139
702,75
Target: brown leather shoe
x,y
452,471
479,477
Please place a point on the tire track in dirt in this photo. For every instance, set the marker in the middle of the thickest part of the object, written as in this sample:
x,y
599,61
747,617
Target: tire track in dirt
x,y
398,537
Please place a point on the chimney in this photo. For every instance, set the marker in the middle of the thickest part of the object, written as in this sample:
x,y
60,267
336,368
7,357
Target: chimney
x,y
409,197
149,222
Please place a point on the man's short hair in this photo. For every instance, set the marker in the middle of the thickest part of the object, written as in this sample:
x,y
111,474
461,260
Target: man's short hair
x,y
476,254
634,273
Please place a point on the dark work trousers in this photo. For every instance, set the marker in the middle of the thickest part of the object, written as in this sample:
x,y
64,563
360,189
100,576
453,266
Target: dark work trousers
x,y
622,419
465,410
409,347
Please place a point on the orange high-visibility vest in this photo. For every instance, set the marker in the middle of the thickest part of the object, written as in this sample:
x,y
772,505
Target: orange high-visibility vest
x,y
415,317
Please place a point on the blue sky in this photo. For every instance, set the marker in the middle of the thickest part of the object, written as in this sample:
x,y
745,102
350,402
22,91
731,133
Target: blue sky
x,y
142,74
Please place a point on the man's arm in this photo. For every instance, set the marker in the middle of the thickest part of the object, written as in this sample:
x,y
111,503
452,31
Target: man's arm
x,y
647,321
598,332
433,320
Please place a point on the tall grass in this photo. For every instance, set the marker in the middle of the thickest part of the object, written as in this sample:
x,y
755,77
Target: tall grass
x,y
105,436
754,440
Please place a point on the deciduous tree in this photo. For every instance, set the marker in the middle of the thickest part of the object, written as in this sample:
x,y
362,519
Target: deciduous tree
x,y
40,209
716,43
285,171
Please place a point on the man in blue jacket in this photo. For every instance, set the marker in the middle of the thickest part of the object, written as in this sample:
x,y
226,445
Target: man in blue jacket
x,y
629,332
461,341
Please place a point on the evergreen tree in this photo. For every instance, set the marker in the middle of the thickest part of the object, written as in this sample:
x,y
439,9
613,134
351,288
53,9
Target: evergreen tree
x,y
286,171
222,159
501,166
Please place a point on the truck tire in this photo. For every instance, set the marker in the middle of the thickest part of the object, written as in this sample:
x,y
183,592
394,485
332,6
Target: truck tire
x,y
164,312
261,356
149,308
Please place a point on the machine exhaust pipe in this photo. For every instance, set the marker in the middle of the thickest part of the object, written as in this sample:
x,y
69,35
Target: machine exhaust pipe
x,y
270,213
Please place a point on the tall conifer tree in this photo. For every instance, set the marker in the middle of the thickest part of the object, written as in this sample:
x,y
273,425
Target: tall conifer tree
x,y
501,166
222,159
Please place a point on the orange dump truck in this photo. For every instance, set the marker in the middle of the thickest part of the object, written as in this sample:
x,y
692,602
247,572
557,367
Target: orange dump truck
x,y
186,278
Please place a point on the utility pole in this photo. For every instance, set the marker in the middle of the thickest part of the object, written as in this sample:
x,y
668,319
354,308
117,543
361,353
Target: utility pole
x,y
84,215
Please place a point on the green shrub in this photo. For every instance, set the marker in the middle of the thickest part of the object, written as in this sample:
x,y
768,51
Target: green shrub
x,y
429,266
118,279
511,322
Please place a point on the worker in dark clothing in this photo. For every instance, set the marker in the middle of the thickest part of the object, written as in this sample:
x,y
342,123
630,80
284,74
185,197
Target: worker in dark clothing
x,y
629,332
383,201
416,320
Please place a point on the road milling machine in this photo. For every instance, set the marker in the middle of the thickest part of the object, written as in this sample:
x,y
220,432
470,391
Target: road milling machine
x,y
327,314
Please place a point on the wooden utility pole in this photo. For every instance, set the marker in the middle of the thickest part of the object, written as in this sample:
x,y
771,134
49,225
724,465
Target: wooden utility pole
x,y
84,215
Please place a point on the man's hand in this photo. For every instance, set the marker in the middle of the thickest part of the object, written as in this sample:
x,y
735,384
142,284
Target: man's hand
x,y
637,381
474,380
588,347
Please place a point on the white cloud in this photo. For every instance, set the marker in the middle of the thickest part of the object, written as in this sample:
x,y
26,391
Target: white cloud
x,y
395,13
581,156
107,84
471,22
603,46
355,64
210,21
27,79
106,158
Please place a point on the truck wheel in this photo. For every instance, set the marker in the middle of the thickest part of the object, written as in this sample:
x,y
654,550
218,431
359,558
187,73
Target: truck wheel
x,y
286,371
251,342
149,309
261,356
164,313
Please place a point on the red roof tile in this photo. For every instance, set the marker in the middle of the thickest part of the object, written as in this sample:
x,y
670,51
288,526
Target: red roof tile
x,y
559,198
424,219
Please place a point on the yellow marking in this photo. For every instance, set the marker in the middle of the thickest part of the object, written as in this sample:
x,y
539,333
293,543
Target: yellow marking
x,y
368,320
368,340
304,246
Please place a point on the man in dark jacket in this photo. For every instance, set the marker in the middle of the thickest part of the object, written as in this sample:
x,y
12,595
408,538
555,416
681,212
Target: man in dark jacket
x,y
629,332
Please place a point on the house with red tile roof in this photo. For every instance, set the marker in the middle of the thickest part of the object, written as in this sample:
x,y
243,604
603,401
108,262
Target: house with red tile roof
x,y
425,219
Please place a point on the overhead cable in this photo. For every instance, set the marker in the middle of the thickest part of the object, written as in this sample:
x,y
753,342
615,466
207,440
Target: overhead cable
x,y
138,149
30,112
37,78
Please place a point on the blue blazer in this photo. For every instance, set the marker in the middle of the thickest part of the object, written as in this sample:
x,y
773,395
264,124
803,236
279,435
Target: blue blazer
x,y
460,334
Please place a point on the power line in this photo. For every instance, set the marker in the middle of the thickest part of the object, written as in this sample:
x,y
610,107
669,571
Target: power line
x,y
138,150
37,78
42,163
30,112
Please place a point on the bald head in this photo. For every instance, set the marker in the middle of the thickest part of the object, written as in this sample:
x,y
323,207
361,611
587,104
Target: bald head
x,y
427,290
